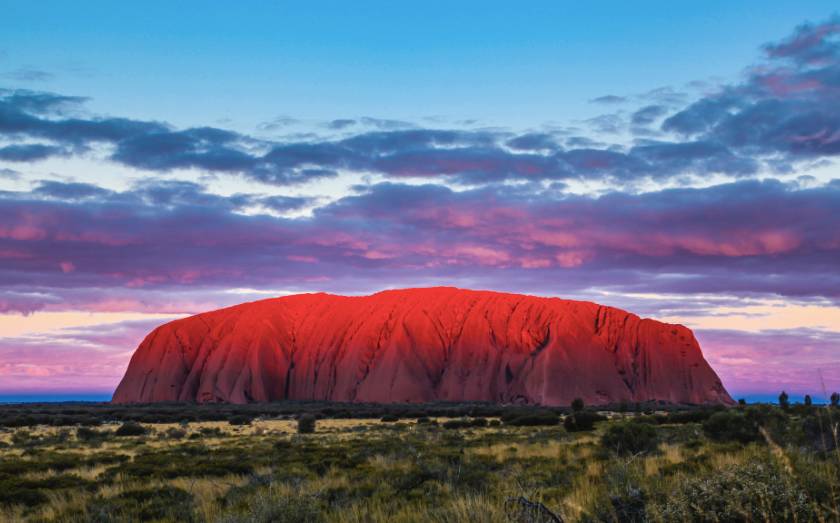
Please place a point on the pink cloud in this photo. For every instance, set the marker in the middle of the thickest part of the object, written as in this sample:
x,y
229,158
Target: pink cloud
x,y
799,361
84,359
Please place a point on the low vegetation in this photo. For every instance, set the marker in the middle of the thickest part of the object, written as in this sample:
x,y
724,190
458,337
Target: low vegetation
x,y
474,463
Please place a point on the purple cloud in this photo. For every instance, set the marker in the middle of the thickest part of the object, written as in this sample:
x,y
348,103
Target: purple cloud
x,y
799,361
788,105
175,235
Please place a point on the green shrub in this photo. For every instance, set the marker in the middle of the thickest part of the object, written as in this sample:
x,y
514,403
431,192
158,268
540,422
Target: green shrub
x,y
464,423
31,492
532,419
630,438
581,421
690,416
389,418
22,438
817,431
240,419
185,460
153,504
731,426
87,434
12,493
744,493
131,428
306,424
174,433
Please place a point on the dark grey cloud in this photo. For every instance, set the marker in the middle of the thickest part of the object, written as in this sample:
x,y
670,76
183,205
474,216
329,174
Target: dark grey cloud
x,y
609,99
285,203
810,44
788,106
648,114
467,156
14,102
341,123
204,148
697,157
534,142
70,191
29,152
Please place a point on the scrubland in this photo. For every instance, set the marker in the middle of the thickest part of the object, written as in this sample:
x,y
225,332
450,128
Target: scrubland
x,y
749,463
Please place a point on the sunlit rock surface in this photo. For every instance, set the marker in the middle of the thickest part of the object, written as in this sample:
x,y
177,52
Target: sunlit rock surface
x,y
418,345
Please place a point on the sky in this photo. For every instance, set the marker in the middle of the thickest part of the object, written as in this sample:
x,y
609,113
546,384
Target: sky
x,y
675,160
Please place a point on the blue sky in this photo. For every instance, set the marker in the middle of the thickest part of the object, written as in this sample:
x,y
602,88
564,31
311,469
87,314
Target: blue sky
x,y
159,159
190,63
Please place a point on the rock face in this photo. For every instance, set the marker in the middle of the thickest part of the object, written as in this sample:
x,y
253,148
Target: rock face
x,y
418,345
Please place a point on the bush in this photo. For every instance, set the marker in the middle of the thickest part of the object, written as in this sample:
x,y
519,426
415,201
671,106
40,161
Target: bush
x,y
389,418
89,435
131,428
306,424
630,438
86,434
817,432
31,492
239,419
752,492
581,421
174,433
690,416
731,426
464,423
154,504
577,405
22,438
531,418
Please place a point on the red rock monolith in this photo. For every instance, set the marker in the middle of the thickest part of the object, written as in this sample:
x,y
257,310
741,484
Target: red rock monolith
x,y
420,345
